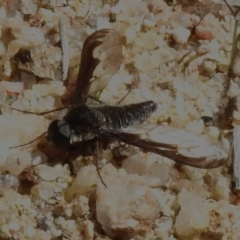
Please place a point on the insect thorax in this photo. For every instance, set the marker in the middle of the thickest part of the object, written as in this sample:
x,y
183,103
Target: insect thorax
x,y
84,120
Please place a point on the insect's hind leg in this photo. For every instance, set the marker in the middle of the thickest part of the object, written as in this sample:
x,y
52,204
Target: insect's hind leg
x,y
97,165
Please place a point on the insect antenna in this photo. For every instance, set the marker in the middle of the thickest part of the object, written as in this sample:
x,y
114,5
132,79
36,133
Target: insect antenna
x,y
97,166
41,113
25,144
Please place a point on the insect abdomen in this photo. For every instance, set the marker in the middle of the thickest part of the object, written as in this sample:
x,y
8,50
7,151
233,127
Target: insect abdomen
x,y
121,117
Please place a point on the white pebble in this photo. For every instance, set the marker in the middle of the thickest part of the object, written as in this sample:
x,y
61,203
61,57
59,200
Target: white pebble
x,y
236,67
102,23
47,173
116,9
14,226
149,23
70,223
181,34
195,127
214,132
29,231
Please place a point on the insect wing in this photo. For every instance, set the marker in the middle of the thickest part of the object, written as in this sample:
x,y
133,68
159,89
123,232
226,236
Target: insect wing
x,y
100,59
176,144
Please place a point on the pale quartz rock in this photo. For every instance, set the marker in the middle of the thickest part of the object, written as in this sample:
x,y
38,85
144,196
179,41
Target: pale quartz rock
x,y
194,215
6,68
22,31
194,173
149,23
135,164
233,89
102,23
147,40
28,79
208,28
132,9
167,174
34,36
17,212
214,132
45,15
195,127
2,49
89,230
163,228
49,88
29,231
159,6
219,186
80,206
138,209
68,12
54,3
225,219
180,18
14,226
18,129
234,110
47,173
82,10
236,67
42,60
12,87
208,67
69,227
197,187
8,181
167,201
148,61
14,46
28,6
85,182
181,34
44,190
15,163
3,14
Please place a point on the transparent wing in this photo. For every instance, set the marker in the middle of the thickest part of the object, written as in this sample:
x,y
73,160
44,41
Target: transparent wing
x,y
176,144
100,59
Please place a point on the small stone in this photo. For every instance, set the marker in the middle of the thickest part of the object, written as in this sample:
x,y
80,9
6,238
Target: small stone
x,y
139,206
28,6
195,127
149,23
181,34
47,173
14,226
236,66
85,181
44,190
29,231
43,60
208,28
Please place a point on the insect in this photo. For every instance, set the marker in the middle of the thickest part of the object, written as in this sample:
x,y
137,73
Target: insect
x,y
100,59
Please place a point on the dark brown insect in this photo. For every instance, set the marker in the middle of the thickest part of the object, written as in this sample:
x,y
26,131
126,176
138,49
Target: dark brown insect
x,y
100,59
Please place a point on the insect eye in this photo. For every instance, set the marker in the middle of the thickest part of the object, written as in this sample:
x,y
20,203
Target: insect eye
x,y
59,133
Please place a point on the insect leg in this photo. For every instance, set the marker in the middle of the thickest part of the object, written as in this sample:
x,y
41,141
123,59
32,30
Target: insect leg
x,y
25,144
97,166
